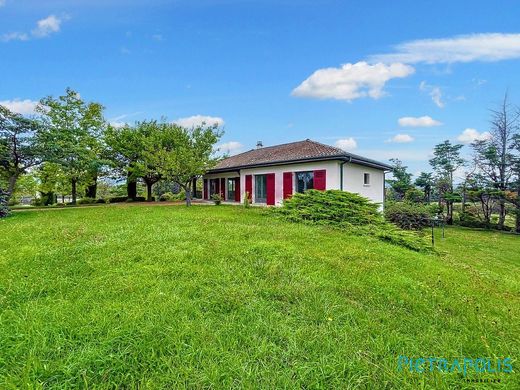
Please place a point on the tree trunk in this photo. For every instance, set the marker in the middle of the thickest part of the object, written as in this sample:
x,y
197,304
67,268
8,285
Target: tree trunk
x,y
12,186
449,212
517,219
74,191
502,214
91,190
149,186
194,189
188,195
131,188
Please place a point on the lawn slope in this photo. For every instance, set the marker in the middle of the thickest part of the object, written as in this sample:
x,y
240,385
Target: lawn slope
x,y
223,297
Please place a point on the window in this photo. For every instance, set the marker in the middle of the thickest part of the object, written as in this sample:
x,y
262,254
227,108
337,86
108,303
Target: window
x,y
213,186
260,188
366,179
304,181
231,189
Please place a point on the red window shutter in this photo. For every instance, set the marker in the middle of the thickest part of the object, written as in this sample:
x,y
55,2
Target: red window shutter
x,y
249,185
237,189
270,189
320,179
205,189
223,188
287,184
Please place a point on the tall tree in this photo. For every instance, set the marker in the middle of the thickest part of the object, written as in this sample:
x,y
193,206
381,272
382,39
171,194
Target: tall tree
x,y
425,181
70,135
187,154
18,149
514,195
133,149
123,151
401,181
494,157
445,162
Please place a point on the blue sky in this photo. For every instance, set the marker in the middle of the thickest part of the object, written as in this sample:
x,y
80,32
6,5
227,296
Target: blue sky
x,y
379,78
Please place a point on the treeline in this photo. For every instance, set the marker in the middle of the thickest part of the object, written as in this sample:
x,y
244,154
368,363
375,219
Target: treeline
x,y
68,147
488,192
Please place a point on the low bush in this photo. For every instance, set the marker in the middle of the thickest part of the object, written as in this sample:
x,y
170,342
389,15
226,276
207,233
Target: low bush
x,y
118,199
350,212
166,197
170,197
101,200
4,209
217,199
86,201
247,200
408,216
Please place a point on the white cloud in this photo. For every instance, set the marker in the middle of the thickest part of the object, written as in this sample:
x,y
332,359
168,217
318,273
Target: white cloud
x,y
421,121
401,138
470,135
157,37
434,92
199,120
231,147
2,3
14,36
351,81
45,27
461,48
24,107
346,144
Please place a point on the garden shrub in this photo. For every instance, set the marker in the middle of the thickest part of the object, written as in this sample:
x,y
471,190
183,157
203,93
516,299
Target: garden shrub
x,y
4,209
118,199
170,197
166,197
247,201
408,216
86,201
347,211
101,200
217,199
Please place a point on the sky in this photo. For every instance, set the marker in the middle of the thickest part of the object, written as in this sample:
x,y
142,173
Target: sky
x,y
383,79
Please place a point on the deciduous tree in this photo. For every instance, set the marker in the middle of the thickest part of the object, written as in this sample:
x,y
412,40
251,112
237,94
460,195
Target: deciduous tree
x,y
18,149
445,162
71,134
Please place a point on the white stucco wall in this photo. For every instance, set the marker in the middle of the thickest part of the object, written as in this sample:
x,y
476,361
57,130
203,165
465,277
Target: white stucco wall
x,y
353,175
353,181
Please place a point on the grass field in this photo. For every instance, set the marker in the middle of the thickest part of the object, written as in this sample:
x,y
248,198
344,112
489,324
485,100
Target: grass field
x,y
225,297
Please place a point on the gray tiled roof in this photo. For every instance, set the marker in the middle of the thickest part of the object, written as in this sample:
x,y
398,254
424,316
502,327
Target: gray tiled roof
x,y
292,152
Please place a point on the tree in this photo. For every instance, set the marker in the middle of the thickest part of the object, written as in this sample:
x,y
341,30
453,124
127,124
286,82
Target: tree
x,y
426,182
4,210
123,150
402,180
494,157
70,135
445,162
132,151
514,195
187,154
18,149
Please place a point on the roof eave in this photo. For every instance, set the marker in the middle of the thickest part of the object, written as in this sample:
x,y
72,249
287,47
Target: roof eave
x,y
347,158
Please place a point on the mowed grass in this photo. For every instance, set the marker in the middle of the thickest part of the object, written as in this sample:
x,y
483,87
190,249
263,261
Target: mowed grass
x,y
225,297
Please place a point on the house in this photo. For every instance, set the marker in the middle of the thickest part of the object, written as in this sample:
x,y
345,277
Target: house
x,y
271,174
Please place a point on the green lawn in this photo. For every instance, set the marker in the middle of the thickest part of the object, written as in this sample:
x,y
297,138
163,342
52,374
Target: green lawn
x,y
133,296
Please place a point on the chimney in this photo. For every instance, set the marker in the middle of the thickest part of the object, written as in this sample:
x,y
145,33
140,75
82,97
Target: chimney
x,y
259,144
